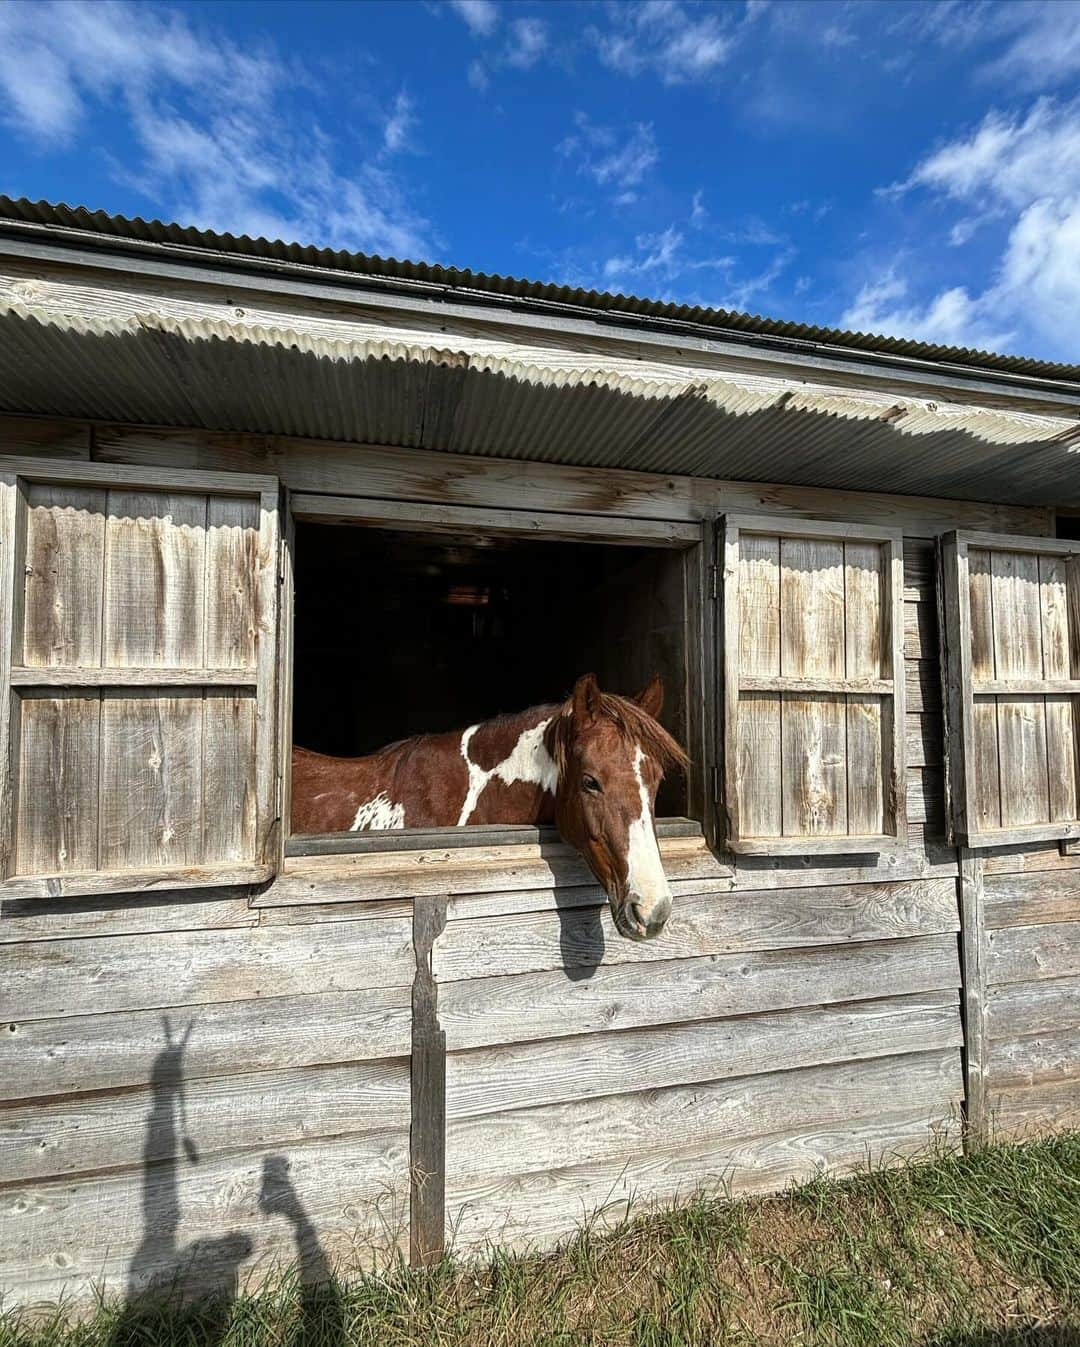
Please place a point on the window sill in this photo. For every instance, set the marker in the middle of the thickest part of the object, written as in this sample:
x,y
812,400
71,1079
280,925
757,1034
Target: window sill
x,y
452,862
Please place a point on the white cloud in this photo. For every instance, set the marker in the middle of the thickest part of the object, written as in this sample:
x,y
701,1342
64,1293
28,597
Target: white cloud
x,y
661,35
482,16
1043,51
211,140
528,42
1022,172
661,257
698,213
400,124
477,75
963,231
620,163
951,318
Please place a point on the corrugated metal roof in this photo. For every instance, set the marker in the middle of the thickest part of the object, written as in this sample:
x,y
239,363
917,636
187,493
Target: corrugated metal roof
x,y
155,232
152,368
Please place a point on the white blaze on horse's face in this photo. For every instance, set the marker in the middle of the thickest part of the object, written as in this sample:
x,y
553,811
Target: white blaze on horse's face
x,y
648,893
605,807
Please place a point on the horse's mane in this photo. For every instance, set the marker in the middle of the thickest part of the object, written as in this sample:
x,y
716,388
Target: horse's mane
x,y
634,724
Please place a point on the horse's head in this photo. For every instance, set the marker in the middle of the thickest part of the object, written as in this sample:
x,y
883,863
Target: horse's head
x,y
612,753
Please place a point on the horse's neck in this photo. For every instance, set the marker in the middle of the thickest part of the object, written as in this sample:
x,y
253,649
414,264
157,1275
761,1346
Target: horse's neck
x,y
512,776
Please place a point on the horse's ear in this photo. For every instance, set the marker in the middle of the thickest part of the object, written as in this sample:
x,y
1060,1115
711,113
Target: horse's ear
x,y
651,697
586,699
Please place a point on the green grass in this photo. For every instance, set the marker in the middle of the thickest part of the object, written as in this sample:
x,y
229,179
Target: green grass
x,y
982,1251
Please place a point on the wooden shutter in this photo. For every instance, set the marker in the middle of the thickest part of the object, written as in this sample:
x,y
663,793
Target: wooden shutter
x,y
813,686
1011,637
138,628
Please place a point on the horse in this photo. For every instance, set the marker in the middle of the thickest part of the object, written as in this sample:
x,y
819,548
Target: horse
x,y
591,764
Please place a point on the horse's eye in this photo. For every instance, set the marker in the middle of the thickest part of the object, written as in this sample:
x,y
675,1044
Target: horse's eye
x,y
591,784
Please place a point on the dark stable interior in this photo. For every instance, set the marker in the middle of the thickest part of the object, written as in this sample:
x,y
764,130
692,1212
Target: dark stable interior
x,y
399,633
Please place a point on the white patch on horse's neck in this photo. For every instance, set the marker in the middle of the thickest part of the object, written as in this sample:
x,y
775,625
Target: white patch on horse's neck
x,y
528,760
645,877
378,815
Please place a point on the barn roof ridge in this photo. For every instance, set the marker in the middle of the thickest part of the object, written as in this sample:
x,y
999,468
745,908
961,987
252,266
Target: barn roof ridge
x,y
478,285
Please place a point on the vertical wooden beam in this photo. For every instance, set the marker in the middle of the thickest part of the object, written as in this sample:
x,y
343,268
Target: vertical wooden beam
x,y
427,1135
973,958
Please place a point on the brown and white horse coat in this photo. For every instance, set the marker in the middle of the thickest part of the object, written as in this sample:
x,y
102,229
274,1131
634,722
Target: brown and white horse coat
x,y
592,765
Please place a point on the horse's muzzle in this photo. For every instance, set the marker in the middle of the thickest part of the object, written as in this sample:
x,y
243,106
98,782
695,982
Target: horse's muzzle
x,y
635,920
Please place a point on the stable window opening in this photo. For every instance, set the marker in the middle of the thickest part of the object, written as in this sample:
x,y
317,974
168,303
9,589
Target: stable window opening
x,y
399,632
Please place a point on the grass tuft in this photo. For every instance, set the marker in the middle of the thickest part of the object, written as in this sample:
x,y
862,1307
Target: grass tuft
x,y
978,1251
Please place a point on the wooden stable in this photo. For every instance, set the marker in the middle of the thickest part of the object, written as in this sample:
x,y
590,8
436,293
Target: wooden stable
x,y
222,1047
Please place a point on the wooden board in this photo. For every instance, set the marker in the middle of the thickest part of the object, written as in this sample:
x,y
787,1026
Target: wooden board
x,y
1022,1062
116,1050
65,546
1038,1110
1022,757
449,871
57,824
78,977
151,808
210,1222
550,1005
227,775
524,1210
413,474
575,937
1033,1008
232,591
266,1109
1032,898
555,1137
155,561
1031,953
67,918
562,1070
814,766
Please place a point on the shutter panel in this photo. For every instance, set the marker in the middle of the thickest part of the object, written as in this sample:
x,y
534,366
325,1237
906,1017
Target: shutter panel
x,y
813,686
138,638
1011,629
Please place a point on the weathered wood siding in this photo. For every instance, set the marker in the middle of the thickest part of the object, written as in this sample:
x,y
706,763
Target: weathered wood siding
x,y
1033,992
767,1033
187,1091
800,1010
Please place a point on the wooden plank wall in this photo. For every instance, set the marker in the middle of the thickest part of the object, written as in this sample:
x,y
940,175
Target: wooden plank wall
x,y
767,1032
1032,907
191,1087
796,1012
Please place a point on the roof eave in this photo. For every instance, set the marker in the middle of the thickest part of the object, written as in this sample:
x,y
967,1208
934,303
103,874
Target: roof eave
x,y
87,248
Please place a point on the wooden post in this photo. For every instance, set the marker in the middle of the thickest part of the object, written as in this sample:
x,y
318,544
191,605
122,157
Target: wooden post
x,y
427,1135
973,952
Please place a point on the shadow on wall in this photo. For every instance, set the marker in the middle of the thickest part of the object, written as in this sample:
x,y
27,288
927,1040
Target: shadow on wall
x,y
581,934
201,1279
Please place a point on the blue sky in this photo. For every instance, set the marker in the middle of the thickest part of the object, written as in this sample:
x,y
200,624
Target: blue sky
x,y
906,168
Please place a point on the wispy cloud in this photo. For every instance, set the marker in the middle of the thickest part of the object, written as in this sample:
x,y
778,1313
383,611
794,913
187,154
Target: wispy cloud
x,y
527,43
611,159
481,16
1044,51
211,138
678,44
399,125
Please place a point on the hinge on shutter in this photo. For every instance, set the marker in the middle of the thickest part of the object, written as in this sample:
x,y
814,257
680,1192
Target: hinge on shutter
x,y
714,580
